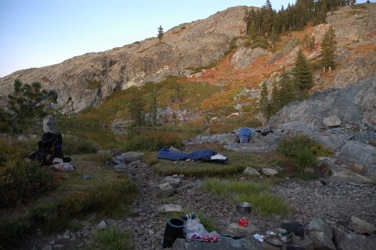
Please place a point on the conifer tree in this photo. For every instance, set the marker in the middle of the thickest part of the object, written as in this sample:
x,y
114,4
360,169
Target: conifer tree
x,y
160,32
328,48
287,92
322,12
302,72
30,101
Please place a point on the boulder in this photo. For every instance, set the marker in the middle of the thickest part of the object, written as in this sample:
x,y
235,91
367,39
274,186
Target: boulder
x,y
173,181
132,156
360,153
163,190
269,171
251,172
318,225
333,142
360,226
350,241
321,241
332,121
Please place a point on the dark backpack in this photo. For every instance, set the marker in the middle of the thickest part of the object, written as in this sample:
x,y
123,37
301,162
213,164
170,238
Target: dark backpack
x,y
50,147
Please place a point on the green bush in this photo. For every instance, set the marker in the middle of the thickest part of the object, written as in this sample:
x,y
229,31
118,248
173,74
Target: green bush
x,y
302,150
21,181
153,141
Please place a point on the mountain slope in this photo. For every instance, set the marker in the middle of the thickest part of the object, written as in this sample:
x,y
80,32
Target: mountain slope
x,y
218,41
84,81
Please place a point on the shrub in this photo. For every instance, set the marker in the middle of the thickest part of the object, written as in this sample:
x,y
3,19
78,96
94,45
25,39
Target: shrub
x,y
153,141
21,181
302,149
104,198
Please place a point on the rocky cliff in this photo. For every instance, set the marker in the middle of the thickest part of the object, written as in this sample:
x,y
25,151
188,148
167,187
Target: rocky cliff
x,y
84,81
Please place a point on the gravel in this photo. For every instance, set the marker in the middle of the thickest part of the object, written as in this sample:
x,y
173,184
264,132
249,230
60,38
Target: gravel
x,y
332,200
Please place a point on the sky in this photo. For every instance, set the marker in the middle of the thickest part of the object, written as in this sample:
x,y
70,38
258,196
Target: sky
x,y
36,33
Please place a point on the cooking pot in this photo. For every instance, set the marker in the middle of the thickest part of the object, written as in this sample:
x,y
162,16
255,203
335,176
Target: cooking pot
x,y
244,208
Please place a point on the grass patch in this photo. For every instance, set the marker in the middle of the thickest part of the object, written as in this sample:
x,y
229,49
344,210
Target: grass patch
x,y
112,239
263,202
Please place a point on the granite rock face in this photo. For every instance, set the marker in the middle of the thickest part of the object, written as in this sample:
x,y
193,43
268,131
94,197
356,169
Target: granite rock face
x,y
352,105
84,81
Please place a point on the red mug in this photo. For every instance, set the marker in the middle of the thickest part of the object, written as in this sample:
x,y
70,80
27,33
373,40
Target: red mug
x,y
243,222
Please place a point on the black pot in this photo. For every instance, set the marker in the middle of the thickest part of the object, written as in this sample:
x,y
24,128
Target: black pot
x,y
174,230
244,208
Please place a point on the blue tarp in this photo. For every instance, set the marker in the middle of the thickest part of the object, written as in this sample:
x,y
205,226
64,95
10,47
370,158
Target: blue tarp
x,y
199,155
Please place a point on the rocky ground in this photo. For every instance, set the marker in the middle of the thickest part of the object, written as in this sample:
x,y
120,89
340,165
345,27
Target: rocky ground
x,y
334,201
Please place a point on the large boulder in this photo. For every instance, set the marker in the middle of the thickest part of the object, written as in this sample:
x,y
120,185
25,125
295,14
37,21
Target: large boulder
x,y
360,153
352,105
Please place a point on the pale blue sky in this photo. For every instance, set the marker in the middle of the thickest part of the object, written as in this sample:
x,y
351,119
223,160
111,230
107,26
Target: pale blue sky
x,y
35,33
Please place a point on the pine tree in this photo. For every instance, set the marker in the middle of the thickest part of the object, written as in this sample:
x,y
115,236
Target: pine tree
x,y
160,33
287,93
328,48
268,5
302,71
322,12
30,101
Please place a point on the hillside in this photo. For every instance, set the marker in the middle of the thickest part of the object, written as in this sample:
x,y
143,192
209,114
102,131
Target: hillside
x,y
214,51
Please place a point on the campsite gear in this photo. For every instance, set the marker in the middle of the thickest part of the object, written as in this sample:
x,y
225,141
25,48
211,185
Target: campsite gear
x,y
294,227
49,147
244,208
189,216
195,231
233,236
286,237
243,222
245,135
174,229
270,233
275,241
199,155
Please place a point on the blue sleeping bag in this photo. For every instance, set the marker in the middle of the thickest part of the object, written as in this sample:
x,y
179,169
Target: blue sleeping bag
x,y
199,155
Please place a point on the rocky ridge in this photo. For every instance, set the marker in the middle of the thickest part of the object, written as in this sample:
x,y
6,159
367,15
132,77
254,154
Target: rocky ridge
x,y
84,81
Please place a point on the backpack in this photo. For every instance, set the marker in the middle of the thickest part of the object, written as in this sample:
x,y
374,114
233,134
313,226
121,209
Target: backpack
x,y
49,147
